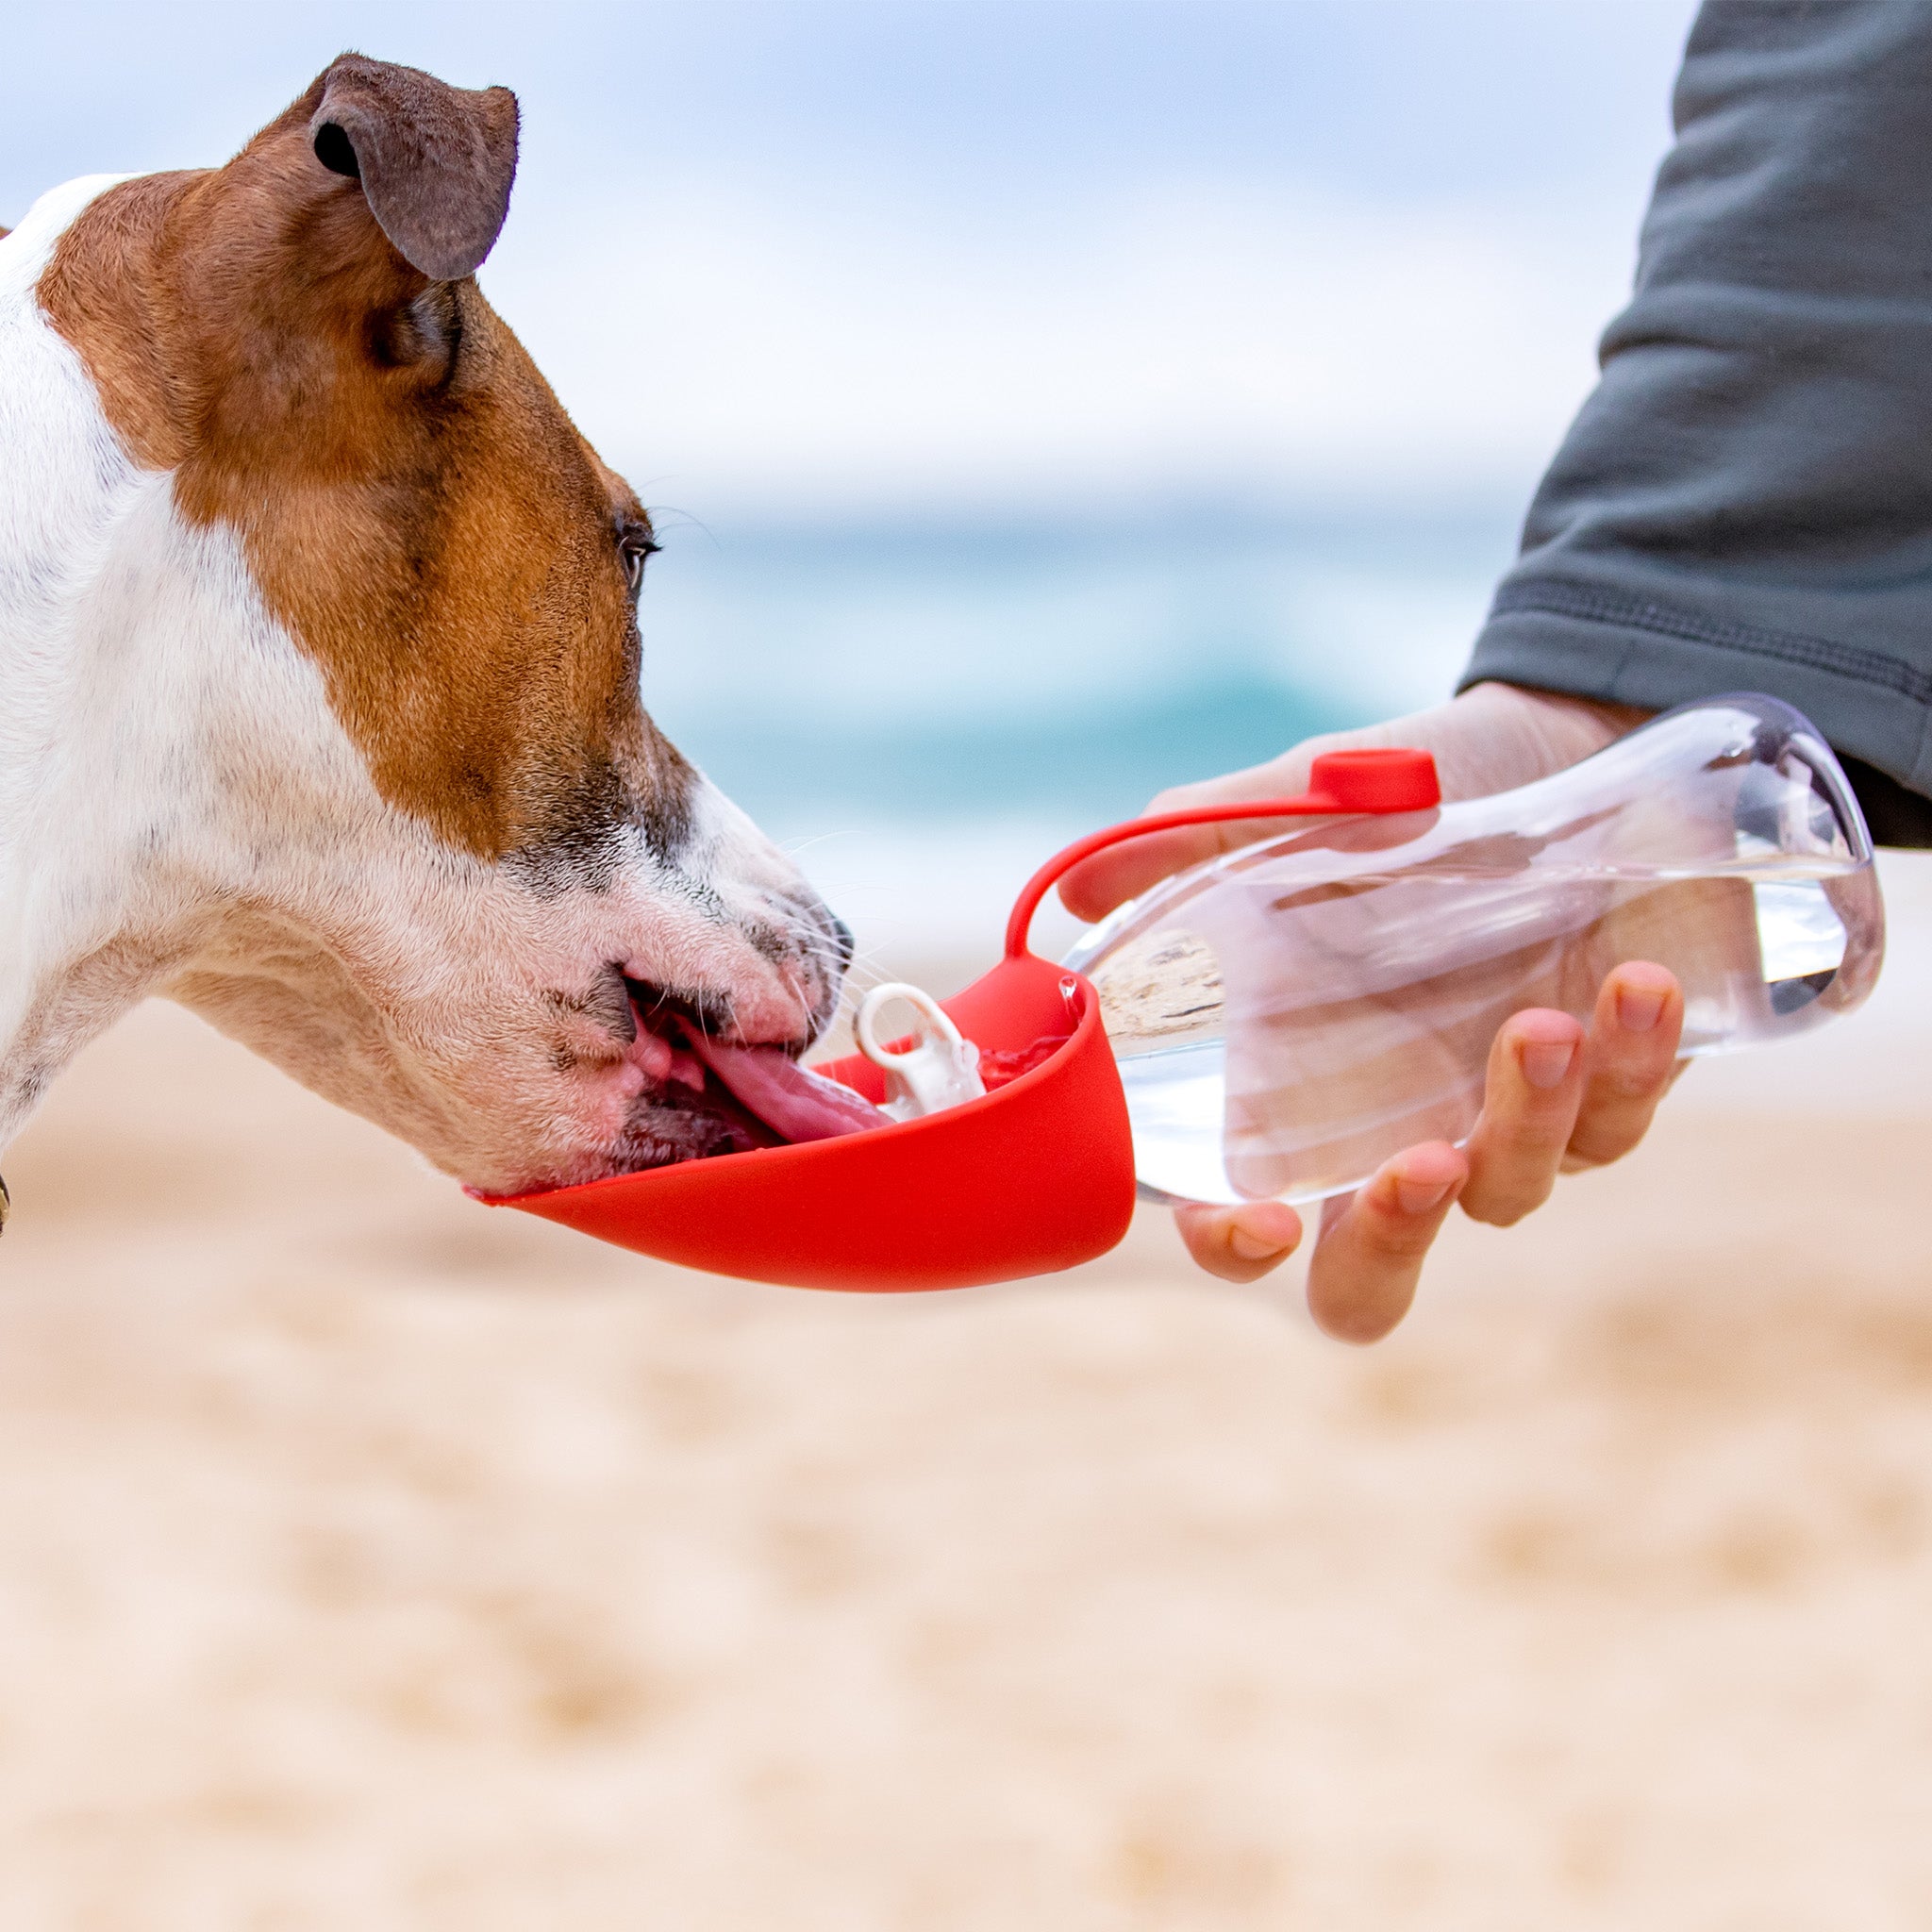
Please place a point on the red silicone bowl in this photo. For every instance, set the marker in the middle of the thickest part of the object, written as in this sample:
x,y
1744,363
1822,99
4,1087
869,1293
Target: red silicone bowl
x,y
1036,1176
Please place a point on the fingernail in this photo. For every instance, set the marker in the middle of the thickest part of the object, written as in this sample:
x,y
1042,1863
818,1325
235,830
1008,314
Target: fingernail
x,y
1251,1247
1419,1197
1638,1007
1545,1061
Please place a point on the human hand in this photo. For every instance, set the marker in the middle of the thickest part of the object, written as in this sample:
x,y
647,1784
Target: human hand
x,y
1558,1097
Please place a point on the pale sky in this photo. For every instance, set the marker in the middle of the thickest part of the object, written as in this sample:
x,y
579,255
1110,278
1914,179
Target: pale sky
x,y
867,256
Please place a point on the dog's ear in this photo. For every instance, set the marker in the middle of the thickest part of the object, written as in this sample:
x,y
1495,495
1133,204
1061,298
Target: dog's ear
x,y
435,161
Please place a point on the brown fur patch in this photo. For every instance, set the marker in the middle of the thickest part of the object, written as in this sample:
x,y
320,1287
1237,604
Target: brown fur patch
x,y
415,505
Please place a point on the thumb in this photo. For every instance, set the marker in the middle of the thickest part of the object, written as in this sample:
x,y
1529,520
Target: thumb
x,y
1094,887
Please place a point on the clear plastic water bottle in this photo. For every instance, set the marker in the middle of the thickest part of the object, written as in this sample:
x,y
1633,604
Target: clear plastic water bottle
x,y
1288,1016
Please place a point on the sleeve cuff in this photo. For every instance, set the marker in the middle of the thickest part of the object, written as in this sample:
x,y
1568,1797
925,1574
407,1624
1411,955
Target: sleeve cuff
x,y
1625,650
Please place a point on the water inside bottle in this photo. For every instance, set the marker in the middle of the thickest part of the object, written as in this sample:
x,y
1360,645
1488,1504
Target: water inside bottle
x,y
1288,1017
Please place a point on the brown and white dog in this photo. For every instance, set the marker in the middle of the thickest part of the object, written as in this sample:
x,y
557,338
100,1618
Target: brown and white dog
x,y
319,667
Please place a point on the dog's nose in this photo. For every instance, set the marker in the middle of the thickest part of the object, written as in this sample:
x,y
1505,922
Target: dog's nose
x,y
841,935
824,944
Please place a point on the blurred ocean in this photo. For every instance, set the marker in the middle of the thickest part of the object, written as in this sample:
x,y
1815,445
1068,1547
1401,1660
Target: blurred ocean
x,y
924,710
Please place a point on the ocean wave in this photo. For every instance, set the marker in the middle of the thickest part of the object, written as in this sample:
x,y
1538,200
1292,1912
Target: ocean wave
x,y
1063,671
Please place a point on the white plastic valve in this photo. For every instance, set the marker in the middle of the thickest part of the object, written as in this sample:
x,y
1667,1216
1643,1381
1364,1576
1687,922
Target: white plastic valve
x,y
941,1069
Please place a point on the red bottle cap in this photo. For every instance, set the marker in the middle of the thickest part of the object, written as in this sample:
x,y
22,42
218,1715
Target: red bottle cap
x,y
1391,779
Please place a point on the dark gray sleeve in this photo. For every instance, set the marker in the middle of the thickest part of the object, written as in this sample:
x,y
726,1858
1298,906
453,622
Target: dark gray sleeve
x,y
1745,501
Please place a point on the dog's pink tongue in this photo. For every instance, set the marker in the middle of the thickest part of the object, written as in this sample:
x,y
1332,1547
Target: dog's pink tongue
x,y
798,1105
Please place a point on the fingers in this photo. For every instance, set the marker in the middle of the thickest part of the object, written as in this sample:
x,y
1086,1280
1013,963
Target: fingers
x,y
1557,1099
1634,1037
1363,1276
1240,1243
1530,1104
1094,887
1554,1098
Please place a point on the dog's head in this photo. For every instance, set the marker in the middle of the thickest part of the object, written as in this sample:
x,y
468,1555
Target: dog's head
x,y
427,850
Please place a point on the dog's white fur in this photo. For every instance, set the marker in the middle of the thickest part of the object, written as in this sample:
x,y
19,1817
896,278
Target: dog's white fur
x,y
181,813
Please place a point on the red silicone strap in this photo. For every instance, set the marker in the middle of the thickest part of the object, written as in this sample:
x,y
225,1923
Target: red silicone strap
x,y
1341,784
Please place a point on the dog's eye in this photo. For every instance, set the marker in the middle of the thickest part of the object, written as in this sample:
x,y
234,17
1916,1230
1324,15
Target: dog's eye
x,y
635,548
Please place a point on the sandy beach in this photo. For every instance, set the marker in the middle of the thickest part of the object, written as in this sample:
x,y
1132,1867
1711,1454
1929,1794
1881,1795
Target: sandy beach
x,y
371,1560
